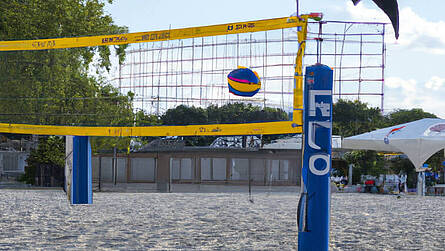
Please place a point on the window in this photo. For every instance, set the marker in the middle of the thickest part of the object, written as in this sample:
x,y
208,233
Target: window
x,y
284,169
109,174
206,169
181,168
219,169
186,169
142,169
240,169
257,170
279,170
213,169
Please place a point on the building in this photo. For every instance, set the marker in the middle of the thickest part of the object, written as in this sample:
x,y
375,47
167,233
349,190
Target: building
x,y
12,164
164,165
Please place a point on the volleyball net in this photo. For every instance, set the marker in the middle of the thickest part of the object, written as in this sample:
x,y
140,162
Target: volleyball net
x,y
163,70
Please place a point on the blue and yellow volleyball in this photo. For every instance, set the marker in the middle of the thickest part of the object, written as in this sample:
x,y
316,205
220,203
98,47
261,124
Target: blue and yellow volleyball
x,y
244,82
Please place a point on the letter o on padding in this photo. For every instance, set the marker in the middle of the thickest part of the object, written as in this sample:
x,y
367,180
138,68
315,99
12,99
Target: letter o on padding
x,y
314,170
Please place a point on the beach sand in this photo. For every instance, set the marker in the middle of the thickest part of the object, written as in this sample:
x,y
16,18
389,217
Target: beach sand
x,y
43,219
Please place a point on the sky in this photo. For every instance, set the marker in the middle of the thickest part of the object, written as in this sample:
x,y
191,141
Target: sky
x,y
415,65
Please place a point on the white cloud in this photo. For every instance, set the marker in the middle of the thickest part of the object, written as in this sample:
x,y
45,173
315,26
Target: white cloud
x,y
407,86
416,33
408,93
435,83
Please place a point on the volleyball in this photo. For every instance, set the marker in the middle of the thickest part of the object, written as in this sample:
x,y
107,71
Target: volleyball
x,y
244,82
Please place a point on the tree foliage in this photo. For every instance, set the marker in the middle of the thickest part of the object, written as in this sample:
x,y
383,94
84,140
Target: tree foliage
x,y
184,115
355,117
243,113
404,165
402,116
50,152
54,86
365,163
226,114
60,87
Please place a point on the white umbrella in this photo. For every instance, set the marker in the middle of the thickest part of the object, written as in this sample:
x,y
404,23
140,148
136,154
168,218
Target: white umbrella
x,y
418,140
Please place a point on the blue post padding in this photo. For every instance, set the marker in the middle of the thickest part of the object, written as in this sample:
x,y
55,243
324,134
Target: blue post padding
x,y
81,191
314,213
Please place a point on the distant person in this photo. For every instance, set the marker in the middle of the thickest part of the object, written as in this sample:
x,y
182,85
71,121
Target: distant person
x,y
369,184
402,183
400,187
344,180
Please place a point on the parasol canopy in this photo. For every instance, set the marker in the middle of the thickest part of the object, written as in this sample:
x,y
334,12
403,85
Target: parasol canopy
x,y
418,140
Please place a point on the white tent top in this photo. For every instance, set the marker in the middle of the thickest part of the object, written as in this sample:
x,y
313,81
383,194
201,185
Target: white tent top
x,y
419,139
294,142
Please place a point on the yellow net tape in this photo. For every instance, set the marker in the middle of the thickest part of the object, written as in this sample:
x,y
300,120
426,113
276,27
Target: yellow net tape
x,y
152,36
281,127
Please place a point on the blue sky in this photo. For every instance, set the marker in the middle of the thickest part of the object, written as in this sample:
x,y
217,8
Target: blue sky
x,y
415,72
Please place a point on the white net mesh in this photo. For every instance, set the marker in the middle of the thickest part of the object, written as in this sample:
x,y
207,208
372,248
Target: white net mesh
x,y
194,71
356,52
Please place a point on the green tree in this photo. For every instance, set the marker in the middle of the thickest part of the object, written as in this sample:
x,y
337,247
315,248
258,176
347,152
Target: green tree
x,y
243,113
144,119
354,117
402,116
50,152
64,86
54,86
365,163
184,115
57,86
404,165
227,114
